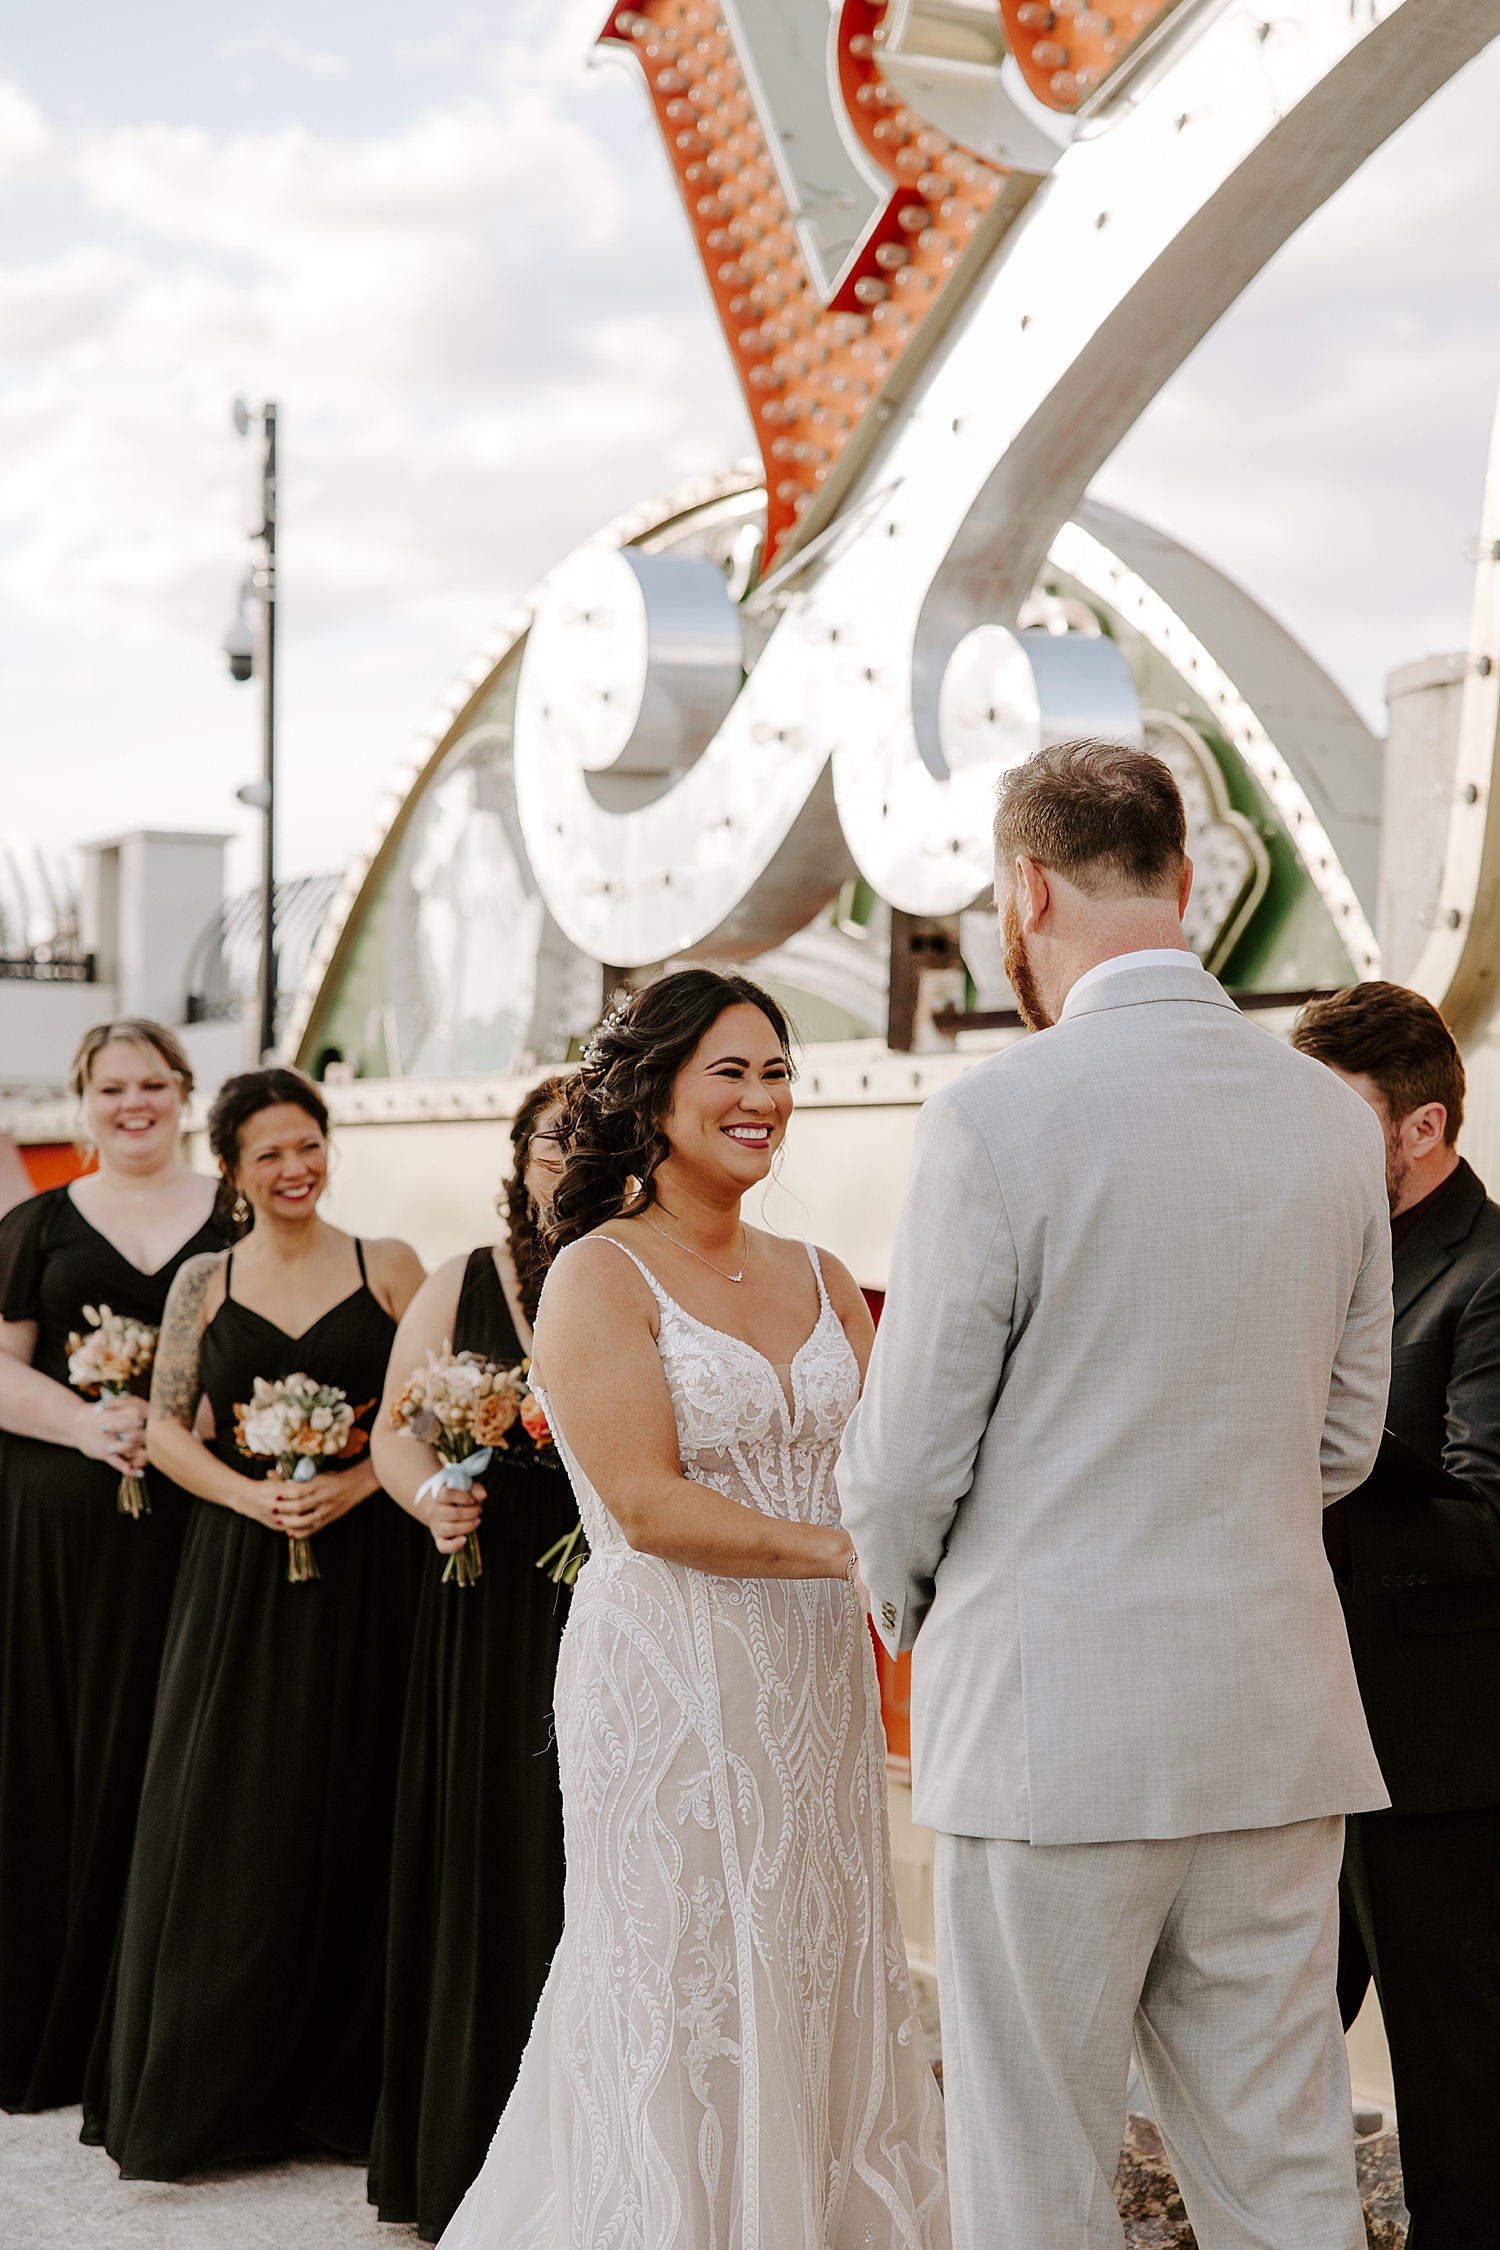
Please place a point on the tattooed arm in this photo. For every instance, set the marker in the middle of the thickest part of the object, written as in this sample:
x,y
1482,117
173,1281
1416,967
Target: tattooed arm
x,y
172,1438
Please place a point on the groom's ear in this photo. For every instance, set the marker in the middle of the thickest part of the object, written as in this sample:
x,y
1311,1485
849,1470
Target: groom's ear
x,y
1035,893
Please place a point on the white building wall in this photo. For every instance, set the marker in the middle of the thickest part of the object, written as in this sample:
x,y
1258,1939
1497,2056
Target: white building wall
x,y
40,1026
147,899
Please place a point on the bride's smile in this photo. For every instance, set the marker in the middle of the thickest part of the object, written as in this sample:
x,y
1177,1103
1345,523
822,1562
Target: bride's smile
x,y
730,1108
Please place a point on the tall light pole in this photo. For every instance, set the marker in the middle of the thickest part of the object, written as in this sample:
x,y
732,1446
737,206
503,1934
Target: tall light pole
x,y
252,651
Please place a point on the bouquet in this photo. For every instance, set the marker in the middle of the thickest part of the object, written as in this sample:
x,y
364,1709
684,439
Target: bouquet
x,y
300,1424
466,1408
114,1360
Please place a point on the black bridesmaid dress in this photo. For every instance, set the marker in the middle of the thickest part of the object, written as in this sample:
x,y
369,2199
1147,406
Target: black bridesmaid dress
x,y
84,1598
245,2008
477,1879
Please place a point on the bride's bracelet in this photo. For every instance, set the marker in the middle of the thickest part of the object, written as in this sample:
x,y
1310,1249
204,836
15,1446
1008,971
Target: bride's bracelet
x,y
851,1569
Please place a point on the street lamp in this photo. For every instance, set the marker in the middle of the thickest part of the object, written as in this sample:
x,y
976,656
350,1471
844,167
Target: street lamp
x,y
251,647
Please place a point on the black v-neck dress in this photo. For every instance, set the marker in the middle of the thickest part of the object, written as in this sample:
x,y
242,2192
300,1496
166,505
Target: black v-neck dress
x,y
245,2007
477,1878
84,1598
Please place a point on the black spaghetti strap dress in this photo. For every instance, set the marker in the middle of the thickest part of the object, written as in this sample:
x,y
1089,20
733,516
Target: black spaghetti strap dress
x,y
477,1881
245,2010
84,1598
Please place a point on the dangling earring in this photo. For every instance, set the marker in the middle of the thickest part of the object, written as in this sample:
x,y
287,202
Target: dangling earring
x,y
241,1211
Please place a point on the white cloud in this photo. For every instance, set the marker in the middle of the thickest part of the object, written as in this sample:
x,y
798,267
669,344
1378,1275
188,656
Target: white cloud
x,y
24,138
484,337
317,61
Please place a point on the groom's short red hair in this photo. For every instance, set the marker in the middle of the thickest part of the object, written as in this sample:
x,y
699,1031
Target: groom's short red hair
x,y
1108,818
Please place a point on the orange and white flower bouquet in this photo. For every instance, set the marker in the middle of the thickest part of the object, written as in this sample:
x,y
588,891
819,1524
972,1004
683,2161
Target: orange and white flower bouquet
x,y
463,1406
467,1408
113,1360
302,1426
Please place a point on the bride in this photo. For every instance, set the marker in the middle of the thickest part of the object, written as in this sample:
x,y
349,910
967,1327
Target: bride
x,y
726,2055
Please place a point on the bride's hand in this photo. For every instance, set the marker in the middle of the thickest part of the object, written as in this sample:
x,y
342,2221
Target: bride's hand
x,y
847,1568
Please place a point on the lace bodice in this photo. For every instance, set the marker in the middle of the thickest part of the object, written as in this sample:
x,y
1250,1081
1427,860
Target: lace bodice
x,y
738,1429
726,2056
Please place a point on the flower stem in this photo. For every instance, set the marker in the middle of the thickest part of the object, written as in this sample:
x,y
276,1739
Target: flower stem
x,y
465,1568
133,1499
567,1556
301,1564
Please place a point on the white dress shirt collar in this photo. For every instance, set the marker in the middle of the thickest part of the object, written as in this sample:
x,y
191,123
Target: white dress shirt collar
x,y
1149,957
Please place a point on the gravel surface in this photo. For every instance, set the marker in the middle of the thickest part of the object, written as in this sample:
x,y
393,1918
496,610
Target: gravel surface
x,y
56,2194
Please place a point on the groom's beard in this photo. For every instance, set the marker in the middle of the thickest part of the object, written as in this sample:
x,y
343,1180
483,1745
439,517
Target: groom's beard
x,y
1018,972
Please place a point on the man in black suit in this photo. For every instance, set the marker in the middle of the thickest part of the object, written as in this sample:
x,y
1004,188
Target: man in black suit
x,y
1420,1579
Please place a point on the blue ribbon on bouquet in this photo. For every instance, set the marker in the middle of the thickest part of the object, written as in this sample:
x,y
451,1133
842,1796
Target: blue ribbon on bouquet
x,y
458,1476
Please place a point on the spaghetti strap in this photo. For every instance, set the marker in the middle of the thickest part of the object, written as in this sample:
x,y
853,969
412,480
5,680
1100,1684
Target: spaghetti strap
x,y
359,1252
664,1296
228,1274
658,1292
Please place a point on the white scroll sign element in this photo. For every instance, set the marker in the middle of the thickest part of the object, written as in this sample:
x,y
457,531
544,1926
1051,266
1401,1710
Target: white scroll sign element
x,y
640,656
642,846
1006,695
917,833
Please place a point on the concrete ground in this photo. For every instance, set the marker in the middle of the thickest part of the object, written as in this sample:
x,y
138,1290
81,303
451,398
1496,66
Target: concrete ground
x,y
56,2194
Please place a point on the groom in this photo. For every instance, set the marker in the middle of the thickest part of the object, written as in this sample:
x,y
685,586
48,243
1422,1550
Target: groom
x,y
1137,1338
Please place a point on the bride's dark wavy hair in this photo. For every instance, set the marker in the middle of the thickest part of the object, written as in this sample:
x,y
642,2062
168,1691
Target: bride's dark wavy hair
x,y
622,1092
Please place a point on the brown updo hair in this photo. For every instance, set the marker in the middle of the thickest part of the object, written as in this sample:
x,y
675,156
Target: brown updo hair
x,y
237,1101
527,1251
134,1031
622,1092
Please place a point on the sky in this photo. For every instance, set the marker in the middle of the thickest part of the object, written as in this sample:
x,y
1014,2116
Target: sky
x,y
446,242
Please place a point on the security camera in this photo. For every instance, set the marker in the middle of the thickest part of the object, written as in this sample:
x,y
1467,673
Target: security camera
x,y
239,647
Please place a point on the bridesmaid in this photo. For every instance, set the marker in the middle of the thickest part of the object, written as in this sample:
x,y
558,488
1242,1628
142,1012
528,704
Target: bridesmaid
x,y
84,1590
476,1894
246,2000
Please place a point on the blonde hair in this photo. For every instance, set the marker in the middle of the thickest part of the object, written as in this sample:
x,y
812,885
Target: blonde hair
x,y
135,1031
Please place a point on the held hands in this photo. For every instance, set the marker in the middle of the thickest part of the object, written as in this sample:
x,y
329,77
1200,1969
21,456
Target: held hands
x,y
844,1563
451,1515
114,1432
857,1585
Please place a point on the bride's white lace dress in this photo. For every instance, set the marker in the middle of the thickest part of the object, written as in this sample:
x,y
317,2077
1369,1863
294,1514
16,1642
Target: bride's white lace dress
x,y
726,2055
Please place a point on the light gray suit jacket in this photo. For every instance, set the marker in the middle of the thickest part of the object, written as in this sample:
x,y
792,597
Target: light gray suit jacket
x,y
1137,1337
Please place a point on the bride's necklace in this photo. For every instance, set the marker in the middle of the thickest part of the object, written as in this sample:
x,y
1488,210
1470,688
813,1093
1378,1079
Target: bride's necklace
x,y
698,1254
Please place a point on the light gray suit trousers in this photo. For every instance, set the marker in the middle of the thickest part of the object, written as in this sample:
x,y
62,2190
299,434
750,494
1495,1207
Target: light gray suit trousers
x,y
1216,1955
